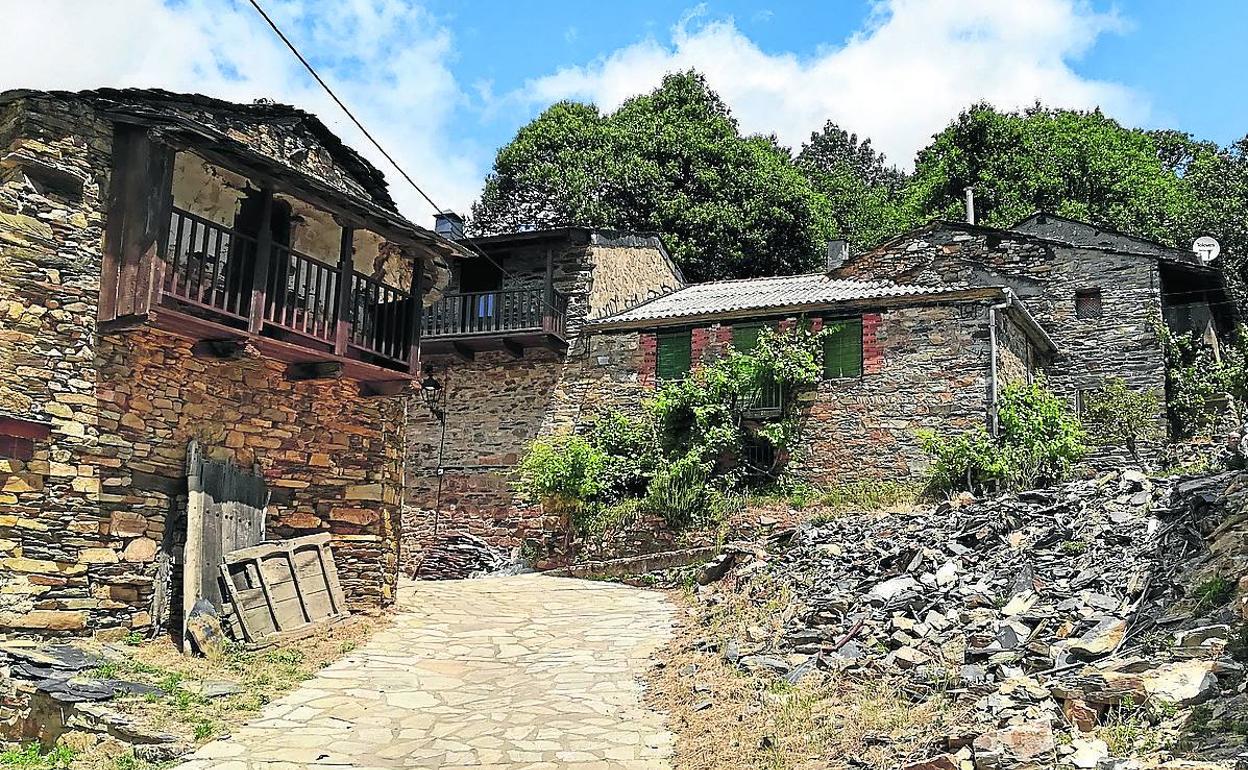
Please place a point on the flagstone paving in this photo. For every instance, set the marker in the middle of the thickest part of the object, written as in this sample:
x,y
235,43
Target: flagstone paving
x,y
515,673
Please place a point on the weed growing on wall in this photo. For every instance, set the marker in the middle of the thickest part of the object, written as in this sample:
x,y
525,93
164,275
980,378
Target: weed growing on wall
x,y
1199,382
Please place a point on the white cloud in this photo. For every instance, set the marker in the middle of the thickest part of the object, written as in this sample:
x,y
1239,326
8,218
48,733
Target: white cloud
x,y
387,59
898,80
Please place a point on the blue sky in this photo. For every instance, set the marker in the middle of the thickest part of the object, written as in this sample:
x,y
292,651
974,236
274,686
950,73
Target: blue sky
x,y
445,82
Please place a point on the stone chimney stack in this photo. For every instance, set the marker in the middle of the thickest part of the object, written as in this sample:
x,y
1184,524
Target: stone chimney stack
x,y
449,225
838,254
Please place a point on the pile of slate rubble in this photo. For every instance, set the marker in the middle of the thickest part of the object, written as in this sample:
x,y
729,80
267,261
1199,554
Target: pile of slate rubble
x,y
458,555
1096,625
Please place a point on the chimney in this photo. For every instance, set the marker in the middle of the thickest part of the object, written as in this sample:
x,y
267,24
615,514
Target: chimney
x,y
970,205
838,253
449,225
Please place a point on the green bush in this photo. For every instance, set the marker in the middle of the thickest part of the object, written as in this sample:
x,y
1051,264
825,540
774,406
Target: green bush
x,y
563,472
629,452
1038,442
1040,438
1198,383
1116,415
682,458
681,493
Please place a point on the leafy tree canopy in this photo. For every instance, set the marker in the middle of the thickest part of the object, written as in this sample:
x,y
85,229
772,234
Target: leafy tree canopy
x,y
674,161
671,161
861,188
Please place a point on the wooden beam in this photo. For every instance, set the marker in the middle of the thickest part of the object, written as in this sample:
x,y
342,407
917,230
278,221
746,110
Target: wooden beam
x,y
416,305
260,271
342,304
226,349
555,343
314,370
514,348
139,192
462,351
384,388
124,323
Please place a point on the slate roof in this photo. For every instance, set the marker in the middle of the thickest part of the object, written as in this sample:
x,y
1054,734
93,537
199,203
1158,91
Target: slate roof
x,y
764,294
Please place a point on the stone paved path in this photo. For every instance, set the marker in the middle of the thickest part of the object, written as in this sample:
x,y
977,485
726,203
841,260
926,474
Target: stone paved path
x,y
517,673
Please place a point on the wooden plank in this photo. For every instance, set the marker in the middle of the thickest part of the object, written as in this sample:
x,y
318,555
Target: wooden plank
x,y
138,197
260,272
193,553
342,310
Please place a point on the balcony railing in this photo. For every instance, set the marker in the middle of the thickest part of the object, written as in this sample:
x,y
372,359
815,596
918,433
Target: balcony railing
x,y
211,270
496,313
767,401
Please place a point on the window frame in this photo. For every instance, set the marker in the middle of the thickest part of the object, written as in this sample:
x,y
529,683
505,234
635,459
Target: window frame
x,y
1089,294
756,326
669,334
856,321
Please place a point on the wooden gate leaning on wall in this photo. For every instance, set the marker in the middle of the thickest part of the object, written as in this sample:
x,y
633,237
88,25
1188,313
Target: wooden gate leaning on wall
x,y
225,510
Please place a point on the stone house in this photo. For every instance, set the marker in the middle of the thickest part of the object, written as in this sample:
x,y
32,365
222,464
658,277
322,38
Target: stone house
x,y
1102,296
508,347
930,327
177,267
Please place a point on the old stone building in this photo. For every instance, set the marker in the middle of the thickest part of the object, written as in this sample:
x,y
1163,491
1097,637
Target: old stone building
x,y
1101,295
509,349
900,359
930,327
173,268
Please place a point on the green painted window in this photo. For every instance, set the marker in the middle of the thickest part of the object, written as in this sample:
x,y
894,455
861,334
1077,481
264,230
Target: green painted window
x,y
842,350
674,356
745,336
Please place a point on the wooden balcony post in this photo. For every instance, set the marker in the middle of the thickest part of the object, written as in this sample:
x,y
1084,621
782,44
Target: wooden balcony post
x,y
342,304
416,305
548,293
260,274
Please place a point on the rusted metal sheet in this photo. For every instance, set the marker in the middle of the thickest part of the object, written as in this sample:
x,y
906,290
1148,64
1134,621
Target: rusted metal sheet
x,y
282,590
224,512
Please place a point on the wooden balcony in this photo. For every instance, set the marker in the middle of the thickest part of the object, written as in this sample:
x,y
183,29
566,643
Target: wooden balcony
x,y
222,286
508,319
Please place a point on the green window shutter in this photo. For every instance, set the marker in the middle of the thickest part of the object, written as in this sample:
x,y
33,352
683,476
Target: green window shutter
x,y
745,336
842,350
674,355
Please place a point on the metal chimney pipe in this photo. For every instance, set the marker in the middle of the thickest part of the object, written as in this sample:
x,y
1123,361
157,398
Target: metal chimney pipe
x,y
970,205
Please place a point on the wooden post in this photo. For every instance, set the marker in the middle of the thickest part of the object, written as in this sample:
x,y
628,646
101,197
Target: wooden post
x,y
342,330
548,293
260,273
138,198
193,553
416,305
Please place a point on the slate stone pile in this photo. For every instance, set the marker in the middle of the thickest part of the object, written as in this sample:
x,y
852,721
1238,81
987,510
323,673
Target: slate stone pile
x,y
1054,612
459,555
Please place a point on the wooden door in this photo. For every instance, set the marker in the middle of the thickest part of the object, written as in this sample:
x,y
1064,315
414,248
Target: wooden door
x,y
224,512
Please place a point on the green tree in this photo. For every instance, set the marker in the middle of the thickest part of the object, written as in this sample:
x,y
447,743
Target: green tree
x,y
671,161
863,191
1078,164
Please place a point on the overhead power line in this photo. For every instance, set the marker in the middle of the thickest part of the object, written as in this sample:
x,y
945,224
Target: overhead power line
x,y
406,176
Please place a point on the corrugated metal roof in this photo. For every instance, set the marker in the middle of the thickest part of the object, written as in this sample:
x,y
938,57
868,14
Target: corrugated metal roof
x,y
762,294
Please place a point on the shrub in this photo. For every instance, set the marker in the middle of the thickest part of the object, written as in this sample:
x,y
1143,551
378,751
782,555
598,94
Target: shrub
x,y
629,454
681,493
1038,442
563,472
1116,415
1041,440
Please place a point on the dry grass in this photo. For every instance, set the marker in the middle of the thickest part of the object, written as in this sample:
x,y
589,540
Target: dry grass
x,y
756,722
180,710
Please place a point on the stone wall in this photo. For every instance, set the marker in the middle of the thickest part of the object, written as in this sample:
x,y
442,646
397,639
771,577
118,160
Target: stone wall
x,y
1122,342
82,517
496,404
